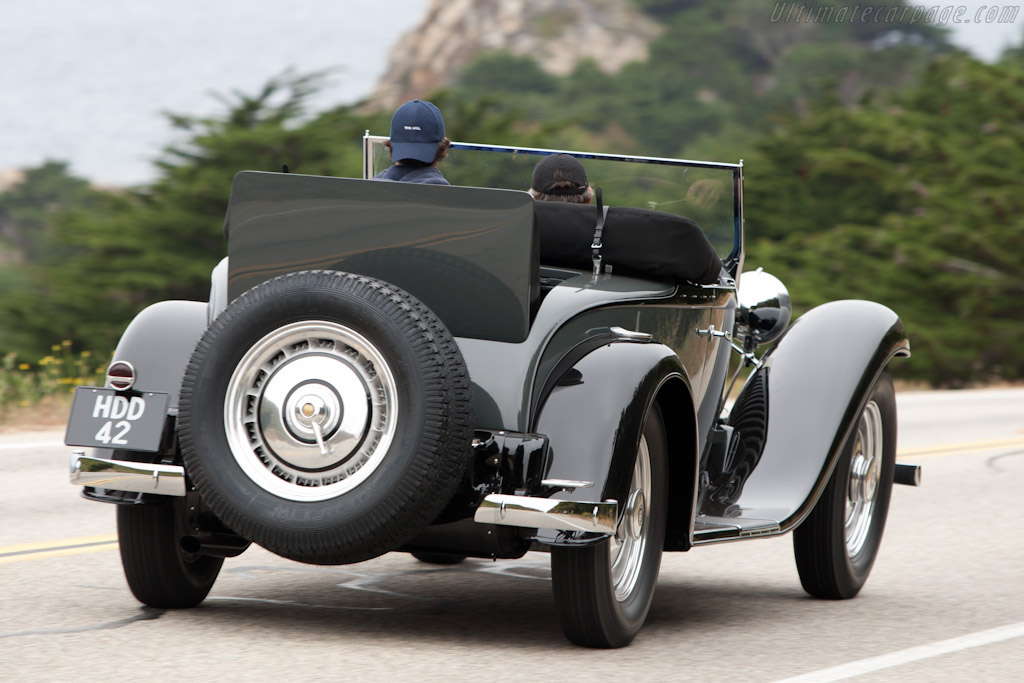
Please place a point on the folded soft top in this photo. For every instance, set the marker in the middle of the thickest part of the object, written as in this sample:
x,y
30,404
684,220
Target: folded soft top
x,y
640,242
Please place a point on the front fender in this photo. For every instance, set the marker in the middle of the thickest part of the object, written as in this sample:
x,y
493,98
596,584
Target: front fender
x,y
817,378
595,414
159,342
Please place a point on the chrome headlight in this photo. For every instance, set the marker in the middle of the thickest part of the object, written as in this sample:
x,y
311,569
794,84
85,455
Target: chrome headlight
x,y
764,309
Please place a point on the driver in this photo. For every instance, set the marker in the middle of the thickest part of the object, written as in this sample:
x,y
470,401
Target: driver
x,y
561,178
417,145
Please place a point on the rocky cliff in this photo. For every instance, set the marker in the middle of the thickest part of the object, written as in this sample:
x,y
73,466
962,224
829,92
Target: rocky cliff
x,y
557,33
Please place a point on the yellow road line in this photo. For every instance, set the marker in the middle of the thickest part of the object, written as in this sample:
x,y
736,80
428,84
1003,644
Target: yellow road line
x,y
68,546
49,545
57,553
967,447
92,544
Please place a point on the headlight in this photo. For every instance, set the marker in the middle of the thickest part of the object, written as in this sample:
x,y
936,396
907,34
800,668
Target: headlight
x,y
764,309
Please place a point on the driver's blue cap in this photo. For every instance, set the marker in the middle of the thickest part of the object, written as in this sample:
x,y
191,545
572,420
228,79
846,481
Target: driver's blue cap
x,y
416,129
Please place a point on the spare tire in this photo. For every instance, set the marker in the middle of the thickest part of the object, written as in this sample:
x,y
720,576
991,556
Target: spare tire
x,y
326,416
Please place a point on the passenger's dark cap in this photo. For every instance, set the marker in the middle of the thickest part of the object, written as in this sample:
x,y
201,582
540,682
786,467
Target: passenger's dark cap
x,y
551,174
416,129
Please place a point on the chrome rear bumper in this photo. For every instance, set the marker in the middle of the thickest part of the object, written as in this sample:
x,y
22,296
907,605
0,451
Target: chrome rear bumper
x,y
548,513
119,475
521,511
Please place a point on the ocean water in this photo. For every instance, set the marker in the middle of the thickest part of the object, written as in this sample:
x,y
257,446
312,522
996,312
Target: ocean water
x,y
86,81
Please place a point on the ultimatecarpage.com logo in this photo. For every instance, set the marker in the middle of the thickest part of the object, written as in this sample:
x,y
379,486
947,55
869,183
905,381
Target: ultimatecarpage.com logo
x,y
940,15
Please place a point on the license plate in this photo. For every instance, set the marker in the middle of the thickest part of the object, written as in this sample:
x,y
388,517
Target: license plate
x,y
104,418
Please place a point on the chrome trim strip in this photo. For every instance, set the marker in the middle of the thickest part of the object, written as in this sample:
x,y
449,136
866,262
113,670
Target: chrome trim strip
x,y
119,475
578,154
566,484
717,529
548,513
630,334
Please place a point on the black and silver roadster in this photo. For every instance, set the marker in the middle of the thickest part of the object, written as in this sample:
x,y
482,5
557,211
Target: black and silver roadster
x,y
464,372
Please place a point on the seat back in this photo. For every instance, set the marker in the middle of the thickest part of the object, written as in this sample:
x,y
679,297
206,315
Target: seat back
x,y
470,254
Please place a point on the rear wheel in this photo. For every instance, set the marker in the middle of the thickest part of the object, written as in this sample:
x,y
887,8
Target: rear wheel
x,y
159,572
837,544
603,591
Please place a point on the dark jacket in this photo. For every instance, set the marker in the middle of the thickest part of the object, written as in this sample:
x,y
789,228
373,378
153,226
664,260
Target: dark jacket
x,y
427,175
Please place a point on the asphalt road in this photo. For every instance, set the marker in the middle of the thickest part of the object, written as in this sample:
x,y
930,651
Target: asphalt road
x,y
945,601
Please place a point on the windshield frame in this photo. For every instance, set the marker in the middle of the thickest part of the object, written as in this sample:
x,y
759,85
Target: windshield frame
x,y
733,261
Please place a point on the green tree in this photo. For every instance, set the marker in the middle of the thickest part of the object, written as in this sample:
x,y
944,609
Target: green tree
x,y
96,269
96,265
28,207
29,213
913,202
719,68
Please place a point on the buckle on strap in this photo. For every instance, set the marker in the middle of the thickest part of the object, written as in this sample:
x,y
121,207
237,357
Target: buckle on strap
x,y
602,215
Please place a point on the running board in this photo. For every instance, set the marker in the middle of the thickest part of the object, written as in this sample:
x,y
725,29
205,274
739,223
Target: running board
x,y
707,529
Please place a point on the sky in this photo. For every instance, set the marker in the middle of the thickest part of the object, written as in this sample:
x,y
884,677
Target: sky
x,y
86,81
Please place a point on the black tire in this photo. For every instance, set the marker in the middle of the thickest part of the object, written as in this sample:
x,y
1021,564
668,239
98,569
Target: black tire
x,y
837,544
159,572
387,387
584,583
438,558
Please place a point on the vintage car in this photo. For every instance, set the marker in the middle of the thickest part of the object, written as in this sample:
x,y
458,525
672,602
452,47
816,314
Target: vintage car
x,y
464,372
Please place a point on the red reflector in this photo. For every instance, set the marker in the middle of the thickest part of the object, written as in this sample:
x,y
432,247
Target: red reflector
x,y
121,375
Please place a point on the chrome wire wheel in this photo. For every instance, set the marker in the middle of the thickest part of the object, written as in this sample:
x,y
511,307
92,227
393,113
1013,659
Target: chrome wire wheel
x,y
836,546
863,480
626,547
604,590
311,410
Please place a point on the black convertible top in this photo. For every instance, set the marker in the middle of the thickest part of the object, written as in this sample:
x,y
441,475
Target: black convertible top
x,y
640,242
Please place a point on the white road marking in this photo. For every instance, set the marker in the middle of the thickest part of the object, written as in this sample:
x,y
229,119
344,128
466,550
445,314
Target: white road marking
x,y
26,445
913,654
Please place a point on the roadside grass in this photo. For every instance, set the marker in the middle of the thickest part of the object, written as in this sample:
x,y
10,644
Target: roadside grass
x,y
38,395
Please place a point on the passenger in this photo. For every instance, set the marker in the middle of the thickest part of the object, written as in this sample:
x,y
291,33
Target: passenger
x,y
417,145
561,178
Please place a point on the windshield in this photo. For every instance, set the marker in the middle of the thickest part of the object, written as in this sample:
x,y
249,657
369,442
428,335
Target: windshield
x,y
708,193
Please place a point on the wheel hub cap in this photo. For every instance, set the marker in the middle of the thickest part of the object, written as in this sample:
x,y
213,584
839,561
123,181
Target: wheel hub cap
x,y
635,511
626,547
863,480
311,410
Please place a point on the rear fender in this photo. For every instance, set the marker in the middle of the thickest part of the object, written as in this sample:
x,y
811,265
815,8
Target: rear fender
x,y
818,376
595,414
218,290
159,343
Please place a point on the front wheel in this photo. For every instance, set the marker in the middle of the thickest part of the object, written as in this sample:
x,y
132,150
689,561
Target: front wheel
x,y
603,591
159,571
837,544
